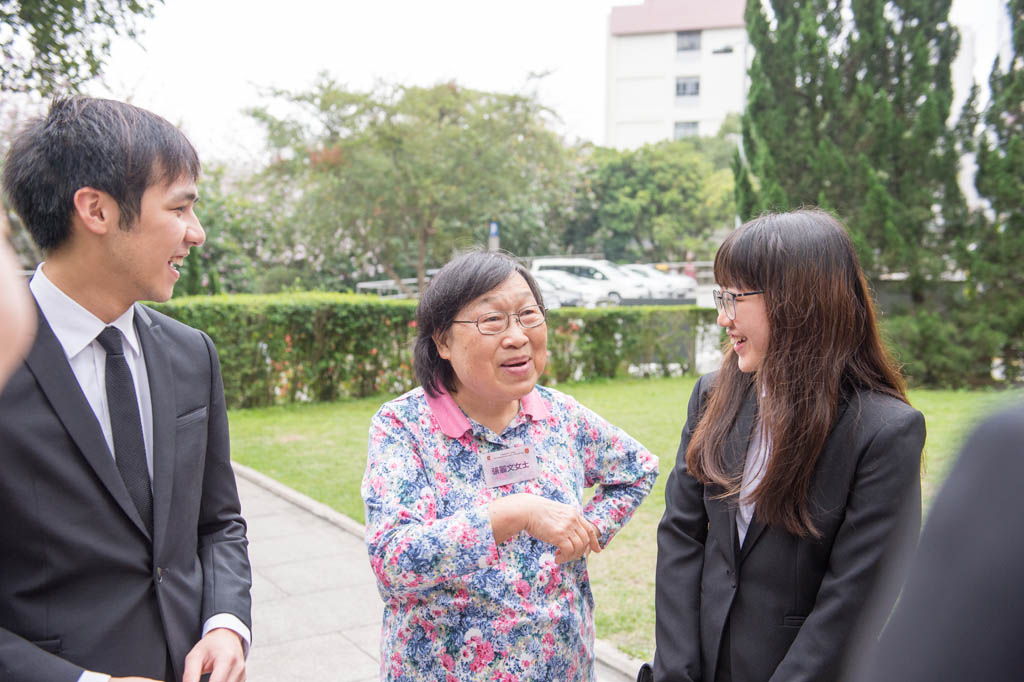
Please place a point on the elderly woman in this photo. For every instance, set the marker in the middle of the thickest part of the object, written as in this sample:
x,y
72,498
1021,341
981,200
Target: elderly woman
x,y
475,522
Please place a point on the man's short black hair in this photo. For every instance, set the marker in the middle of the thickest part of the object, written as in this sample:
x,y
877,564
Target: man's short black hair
x,y
463,279
110,146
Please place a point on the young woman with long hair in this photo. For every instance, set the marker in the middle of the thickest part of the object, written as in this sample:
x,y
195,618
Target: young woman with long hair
x,y
799,465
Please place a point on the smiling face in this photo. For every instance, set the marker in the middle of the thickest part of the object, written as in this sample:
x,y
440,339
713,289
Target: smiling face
x,y
750,332
142,261
492,372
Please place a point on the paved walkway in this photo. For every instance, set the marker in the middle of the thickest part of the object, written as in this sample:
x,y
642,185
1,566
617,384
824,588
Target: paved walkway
x,y
316,610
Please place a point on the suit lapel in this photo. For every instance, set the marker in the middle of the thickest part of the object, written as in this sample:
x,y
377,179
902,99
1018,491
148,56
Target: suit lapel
x,y
739,443
50,367
735,455
753,533
756,527
162,397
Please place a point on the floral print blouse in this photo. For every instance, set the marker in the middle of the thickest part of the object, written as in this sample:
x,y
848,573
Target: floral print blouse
x,y
457,606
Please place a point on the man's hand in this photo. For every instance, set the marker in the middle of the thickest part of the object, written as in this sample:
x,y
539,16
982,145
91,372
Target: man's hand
x,y
218,653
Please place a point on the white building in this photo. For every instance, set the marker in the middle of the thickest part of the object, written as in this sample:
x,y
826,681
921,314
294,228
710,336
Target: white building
x,y
984,27
675,68
984,35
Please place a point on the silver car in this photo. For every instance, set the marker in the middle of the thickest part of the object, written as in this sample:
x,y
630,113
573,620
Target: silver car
x,y
568,289
668,285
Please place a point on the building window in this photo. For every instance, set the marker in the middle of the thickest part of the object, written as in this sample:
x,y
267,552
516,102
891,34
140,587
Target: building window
x,y
687,41
685,129
687,86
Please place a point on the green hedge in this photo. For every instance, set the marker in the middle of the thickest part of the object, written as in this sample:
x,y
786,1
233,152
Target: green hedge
x,y
323,346
602,342
303,347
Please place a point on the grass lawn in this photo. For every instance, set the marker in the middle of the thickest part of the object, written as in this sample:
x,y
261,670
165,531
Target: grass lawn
x,y
321,451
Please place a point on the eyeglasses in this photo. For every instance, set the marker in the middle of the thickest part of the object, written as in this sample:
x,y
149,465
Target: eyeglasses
x,y
725,301
496,322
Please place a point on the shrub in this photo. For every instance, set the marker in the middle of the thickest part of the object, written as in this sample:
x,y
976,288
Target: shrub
x,y
603,342
943,351
304,347
324,346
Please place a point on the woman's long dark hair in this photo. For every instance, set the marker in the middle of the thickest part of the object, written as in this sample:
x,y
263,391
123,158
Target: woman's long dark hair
x,y
823,341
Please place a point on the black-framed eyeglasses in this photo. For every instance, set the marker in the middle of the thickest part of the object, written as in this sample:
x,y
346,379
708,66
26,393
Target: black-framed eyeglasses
x,y
496,322
725,300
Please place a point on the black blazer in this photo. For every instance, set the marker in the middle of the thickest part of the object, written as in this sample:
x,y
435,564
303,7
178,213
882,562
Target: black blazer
x,y
781,608
959,617
82,583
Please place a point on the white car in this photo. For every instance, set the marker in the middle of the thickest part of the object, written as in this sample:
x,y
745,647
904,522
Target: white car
x,y
672,286
616,285
569,289
553,297
655,288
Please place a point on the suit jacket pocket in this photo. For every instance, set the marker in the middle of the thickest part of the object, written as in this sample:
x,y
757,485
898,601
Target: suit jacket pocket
x,y
793,621
190,447
50,646
193,416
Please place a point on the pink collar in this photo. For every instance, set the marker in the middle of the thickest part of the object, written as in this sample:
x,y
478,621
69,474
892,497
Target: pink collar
x,y
454,422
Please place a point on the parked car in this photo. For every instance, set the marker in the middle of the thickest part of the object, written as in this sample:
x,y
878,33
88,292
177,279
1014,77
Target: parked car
x,y
656,287
616,285
672,286
569,289
651,289
552,301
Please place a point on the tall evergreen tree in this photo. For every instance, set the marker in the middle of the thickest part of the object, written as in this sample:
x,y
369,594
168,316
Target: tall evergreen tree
x,y
994,250
848,109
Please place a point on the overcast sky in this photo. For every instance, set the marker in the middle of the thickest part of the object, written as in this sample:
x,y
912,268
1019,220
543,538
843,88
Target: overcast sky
x,y
199,63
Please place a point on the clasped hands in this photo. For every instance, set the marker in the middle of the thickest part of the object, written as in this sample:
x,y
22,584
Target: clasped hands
x,y
561,525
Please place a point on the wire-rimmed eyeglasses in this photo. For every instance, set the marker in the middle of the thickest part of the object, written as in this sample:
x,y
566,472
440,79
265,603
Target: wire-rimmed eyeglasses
x,y
496,322
725,300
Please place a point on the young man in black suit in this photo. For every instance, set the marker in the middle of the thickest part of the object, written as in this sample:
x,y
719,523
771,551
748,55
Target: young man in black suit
x,y
123,551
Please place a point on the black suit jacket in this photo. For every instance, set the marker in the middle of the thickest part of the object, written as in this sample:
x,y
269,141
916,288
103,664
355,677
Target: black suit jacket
x,y
82,583
960,615
781,607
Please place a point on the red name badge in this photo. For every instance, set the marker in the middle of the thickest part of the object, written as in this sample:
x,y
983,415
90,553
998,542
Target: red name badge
x,y
509,466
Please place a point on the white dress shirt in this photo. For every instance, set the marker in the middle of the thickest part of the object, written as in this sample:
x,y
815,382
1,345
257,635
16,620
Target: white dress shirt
x,y
758,453
76,329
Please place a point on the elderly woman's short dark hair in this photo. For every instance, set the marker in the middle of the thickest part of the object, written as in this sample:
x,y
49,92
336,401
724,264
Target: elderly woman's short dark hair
x,y
462,280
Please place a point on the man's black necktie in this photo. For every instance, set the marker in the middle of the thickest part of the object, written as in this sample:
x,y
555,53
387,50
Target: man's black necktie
x,y
129,447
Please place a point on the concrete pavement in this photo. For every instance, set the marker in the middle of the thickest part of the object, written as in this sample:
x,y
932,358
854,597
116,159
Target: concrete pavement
x,y
316,610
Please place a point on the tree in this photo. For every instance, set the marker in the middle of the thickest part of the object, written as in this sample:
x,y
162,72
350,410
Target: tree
x,y
391,181
27,253
993,250
657,202
241,253
848,109
51,45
